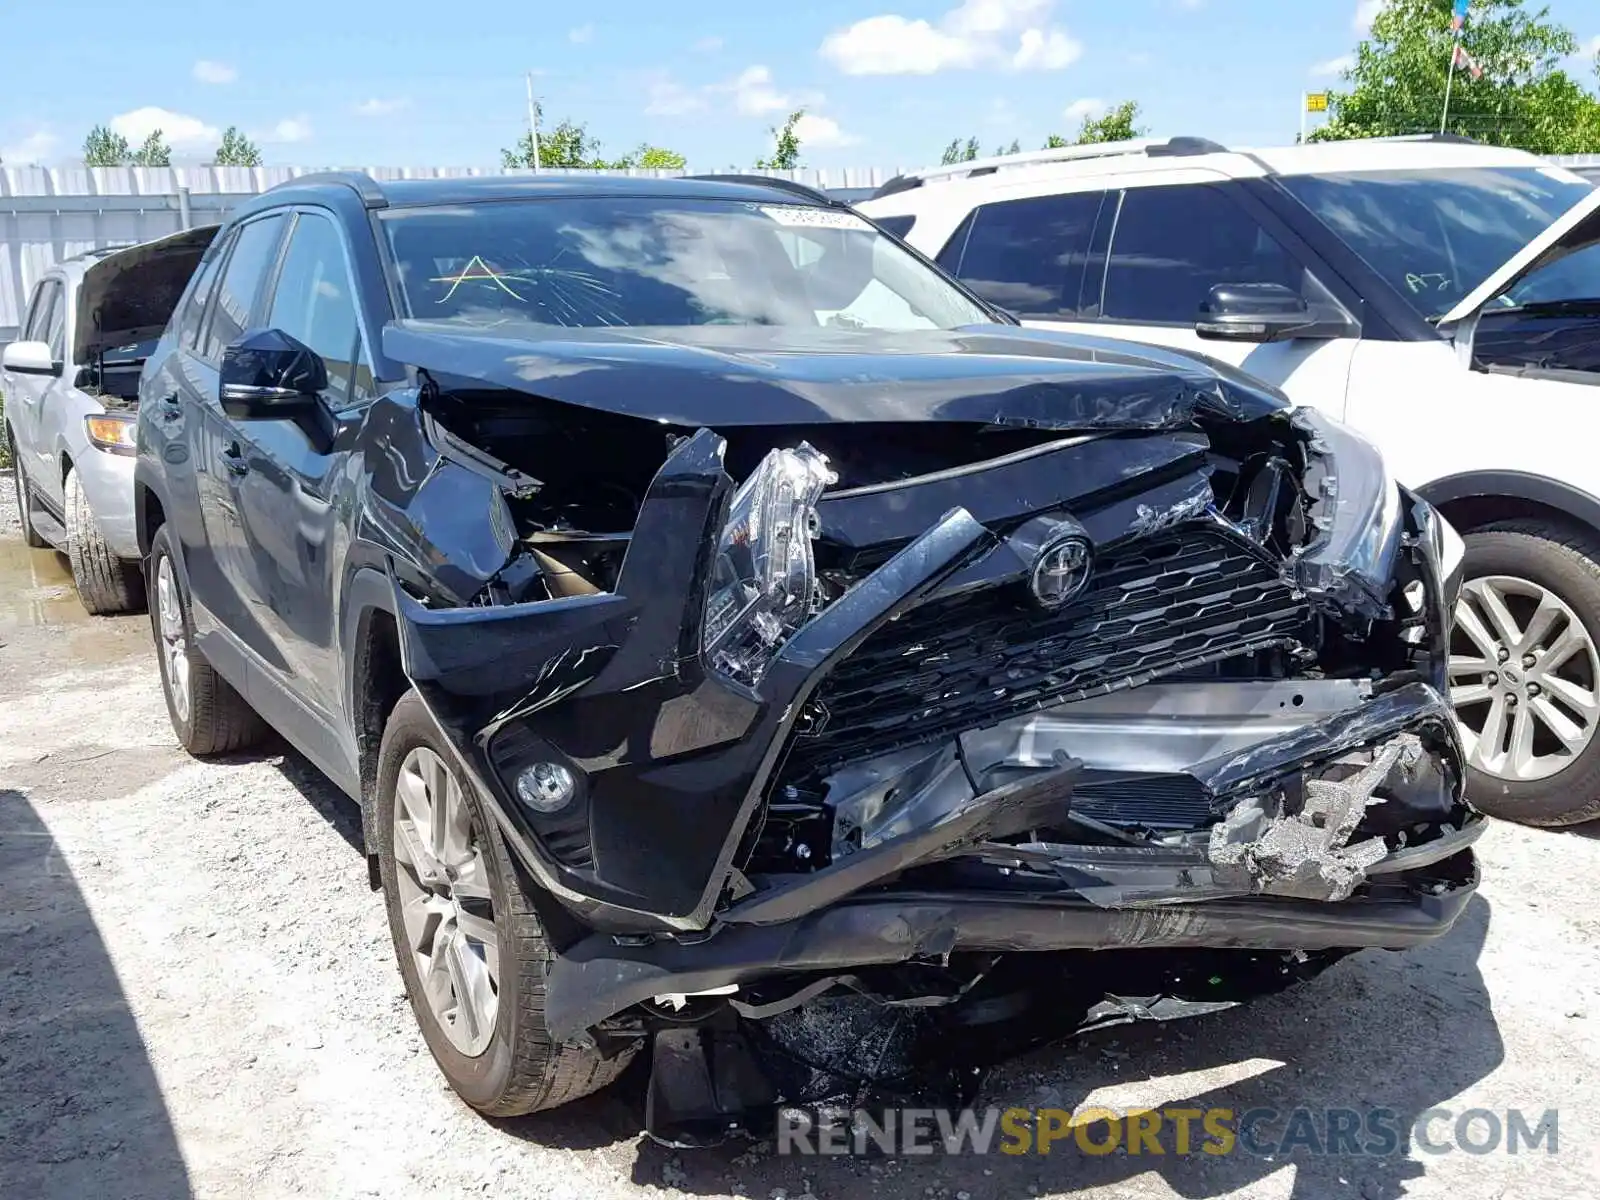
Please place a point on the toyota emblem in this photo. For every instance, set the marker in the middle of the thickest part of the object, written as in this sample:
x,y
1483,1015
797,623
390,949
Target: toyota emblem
x,y
1061,570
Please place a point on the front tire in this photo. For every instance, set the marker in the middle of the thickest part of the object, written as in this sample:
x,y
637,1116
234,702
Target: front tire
x,y
1525,672
106,584
471,949
207,714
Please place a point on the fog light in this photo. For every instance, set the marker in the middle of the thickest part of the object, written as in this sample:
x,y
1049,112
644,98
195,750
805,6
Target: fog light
x,y
546,787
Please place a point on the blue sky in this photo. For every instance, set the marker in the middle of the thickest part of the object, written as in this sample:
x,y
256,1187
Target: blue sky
x,y
886,82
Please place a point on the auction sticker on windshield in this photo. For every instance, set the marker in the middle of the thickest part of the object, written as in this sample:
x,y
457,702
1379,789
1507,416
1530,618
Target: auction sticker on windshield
x,y
799,216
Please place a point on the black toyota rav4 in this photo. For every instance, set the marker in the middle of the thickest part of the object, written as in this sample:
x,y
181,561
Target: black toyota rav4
x,y
711,605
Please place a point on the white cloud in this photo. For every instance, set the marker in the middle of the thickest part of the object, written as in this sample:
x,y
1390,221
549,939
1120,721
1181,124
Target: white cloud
x,y
583,33
820,133
207,71
290,129
30,149
178,130
1089,106
1334,66
1191,4
377,107
977,33
753,93
1592,49
669,98
707,45
1366,12
1045,50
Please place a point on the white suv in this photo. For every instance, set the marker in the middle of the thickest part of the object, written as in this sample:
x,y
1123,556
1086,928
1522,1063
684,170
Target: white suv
x,y
1441,295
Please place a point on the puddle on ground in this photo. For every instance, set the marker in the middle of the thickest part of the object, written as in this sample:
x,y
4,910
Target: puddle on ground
x,y
36,587
36,592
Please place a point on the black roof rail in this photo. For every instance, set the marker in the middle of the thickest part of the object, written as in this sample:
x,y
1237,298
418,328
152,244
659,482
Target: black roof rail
x,y
900,183
1182,147
783,185
363,184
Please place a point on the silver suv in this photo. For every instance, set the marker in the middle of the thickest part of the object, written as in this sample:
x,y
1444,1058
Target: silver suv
x,y
71,385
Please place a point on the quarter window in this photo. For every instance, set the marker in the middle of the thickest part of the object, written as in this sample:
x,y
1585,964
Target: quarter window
x,y
254,251
33,328
54,329
899,226
1028,256
1173,244
312,301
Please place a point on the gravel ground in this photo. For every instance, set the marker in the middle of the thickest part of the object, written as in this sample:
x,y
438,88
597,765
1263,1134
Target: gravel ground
x,y
198,997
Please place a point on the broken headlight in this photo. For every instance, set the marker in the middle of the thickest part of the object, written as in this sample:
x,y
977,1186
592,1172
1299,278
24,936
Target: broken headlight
x,y
763,581
1355,507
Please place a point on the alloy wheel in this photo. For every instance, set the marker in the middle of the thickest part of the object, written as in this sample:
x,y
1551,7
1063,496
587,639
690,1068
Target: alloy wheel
x,y
1524,678
445,902
174,647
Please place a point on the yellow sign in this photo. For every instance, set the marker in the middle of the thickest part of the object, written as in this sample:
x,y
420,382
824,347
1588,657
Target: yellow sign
x,y
1316,101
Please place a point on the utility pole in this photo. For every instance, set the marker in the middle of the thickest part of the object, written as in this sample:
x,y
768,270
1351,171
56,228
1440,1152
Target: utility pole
x,y
533,122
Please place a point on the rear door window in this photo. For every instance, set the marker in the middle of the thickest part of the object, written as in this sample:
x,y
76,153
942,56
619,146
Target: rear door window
x,y
1029,256
254,252
1173,244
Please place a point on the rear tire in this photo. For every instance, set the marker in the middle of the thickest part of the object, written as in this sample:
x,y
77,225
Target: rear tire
x,y
208,716
510,1066
106,584
19,479
1518,568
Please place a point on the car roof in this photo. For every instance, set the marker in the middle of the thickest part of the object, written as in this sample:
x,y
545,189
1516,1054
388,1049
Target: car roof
x,y
469,189
1154,159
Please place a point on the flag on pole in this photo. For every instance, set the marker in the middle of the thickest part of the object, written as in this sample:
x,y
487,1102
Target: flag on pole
x,y
1466,62
1458,17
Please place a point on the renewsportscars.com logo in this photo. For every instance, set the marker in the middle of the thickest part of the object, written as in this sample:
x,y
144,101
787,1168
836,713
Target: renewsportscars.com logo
x,y
1263,1132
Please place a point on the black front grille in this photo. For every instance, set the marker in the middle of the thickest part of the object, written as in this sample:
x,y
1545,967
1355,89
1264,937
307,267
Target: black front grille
x,y
1150,801
1154,607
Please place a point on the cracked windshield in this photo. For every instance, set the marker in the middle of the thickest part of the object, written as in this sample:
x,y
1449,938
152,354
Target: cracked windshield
x,y
629,262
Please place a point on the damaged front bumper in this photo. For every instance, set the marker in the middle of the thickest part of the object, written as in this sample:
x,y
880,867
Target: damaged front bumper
x,y
1315,813
1282,872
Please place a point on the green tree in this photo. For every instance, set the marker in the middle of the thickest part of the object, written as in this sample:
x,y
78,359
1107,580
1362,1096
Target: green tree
x,y
103,148
152,152
786,151
648,157
567,145
1523,98
956,152
1118,123
237,150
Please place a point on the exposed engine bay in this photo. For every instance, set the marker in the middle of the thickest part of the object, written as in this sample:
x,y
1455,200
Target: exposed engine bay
x,y
775,712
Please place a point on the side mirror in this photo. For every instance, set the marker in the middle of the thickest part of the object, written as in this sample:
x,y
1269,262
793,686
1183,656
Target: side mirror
x,y
1256,312
29,358
269,376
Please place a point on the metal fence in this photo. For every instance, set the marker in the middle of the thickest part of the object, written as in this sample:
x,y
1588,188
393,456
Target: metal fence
x,y
47,214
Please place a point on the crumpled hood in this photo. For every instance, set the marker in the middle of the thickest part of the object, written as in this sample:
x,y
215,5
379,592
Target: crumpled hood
x,y
721,376
129,295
